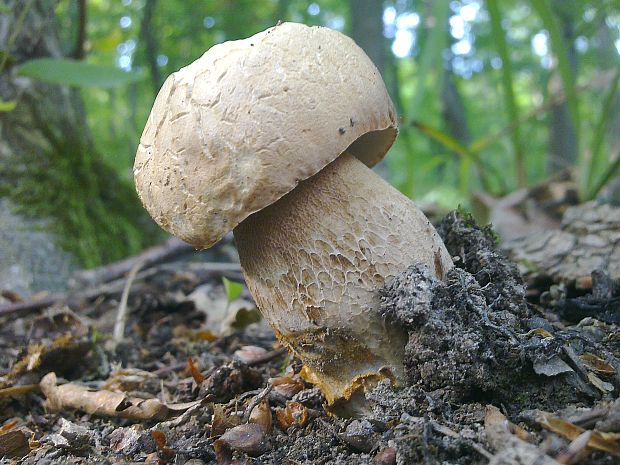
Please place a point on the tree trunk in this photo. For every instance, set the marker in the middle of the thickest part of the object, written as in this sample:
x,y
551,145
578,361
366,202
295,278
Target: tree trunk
x,y
562,139
49,167
367,29
453,109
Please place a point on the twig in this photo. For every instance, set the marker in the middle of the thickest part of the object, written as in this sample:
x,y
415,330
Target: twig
x,y
255,401
173,247
267,357
230,270
121,315
453,434
30,306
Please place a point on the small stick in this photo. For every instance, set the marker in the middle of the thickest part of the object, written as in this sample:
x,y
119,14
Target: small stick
x,y
173,247
255,401
30,306
121,316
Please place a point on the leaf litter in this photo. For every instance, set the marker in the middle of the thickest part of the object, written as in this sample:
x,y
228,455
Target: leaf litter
x,y
494,375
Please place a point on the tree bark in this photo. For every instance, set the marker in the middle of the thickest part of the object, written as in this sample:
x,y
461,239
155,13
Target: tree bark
x,y
49,166
147,36
562,139
453,109
367,29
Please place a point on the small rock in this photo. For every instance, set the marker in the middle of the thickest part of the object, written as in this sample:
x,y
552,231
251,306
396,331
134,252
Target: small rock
x,y
385,456
131,440
249,438
311,398
248,354
360,435
71,436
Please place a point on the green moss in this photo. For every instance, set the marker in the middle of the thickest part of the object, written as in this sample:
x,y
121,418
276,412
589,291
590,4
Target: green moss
x,y
94,214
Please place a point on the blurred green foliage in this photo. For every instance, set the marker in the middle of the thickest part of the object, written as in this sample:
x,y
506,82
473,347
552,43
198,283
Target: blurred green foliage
x,y
499,68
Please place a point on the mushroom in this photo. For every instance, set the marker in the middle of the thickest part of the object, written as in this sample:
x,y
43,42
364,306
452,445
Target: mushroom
x,y
273,137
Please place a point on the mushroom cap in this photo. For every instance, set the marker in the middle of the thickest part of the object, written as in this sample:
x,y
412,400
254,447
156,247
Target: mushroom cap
x,y
240,127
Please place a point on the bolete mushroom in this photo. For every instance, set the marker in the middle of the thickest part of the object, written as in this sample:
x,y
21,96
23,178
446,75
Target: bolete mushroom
x,y
272,137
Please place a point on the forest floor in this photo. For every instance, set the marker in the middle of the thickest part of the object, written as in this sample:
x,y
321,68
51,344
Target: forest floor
x,y
498,372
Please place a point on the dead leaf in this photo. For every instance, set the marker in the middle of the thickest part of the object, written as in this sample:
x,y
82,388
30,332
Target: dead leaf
x,y
541,332
8,426
597,364
294,414
221,421
195,372
570,431
287,386
100,402
131,379
599,383
160,441
261,415
13,444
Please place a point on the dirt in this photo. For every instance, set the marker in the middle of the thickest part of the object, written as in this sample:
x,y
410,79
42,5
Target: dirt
x,y
477,339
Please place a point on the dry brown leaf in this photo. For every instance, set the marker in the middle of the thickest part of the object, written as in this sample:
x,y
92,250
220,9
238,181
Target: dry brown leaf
x,y
261,415
541,332
570,431
13,444
160,441
100,402
287,386
221,421
293,414
195,372
131,379
160,438
8,426
597,364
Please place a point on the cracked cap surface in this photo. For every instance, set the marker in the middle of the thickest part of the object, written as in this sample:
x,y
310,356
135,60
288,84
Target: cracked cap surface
x,y
240,127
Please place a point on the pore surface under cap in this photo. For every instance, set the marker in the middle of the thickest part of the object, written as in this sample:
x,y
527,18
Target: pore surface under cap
x,y
241,126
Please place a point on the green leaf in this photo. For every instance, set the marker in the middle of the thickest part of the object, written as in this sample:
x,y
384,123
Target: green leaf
x,y
444,139
465,153
594,167
610,172
232,288
8,105
4,8
74,73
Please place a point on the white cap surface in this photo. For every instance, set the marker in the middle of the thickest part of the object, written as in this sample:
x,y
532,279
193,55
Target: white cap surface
x,y
240,127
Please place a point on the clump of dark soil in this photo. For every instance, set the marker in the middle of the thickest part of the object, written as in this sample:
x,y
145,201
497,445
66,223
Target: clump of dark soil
x,y
492,376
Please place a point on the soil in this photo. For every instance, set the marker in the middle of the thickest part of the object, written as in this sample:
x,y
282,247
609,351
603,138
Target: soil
x,y
497,374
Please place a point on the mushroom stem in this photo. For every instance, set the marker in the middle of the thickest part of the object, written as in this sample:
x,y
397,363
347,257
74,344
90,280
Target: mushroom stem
x,y
314,261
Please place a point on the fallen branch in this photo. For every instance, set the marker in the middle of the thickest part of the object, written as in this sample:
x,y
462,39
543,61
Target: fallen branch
x,y
173,247
30,306
229,270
